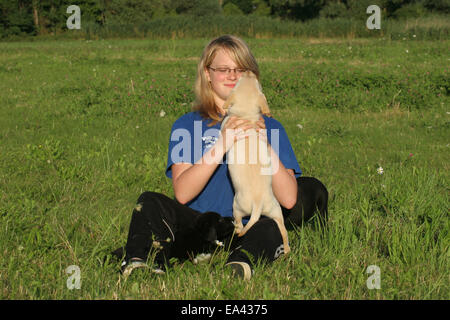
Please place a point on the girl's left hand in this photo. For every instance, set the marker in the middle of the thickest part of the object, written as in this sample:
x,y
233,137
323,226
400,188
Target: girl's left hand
x,y
261,129
261,124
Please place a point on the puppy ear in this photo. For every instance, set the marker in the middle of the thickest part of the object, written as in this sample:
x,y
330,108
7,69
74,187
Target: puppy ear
x,y
249,73
262,102
206,226
225,227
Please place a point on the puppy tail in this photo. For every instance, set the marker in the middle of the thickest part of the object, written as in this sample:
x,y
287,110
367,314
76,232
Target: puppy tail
x,y
256,214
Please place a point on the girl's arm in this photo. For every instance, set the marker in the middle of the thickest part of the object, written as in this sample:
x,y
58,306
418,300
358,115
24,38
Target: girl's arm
x,y
284,183
189,179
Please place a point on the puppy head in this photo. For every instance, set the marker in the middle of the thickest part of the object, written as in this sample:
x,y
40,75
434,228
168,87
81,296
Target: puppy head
x,y
249,74
248,82
225,227
212,226
247,99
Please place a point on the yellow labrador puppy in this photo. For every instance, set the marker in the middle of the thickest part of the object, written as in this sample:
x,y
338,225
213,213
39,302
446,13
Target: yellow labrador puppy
x,y
249,160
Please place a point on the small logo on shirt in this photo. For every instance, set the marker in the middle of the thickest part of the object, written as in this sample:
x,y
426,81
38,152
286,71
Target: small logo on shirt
x,y
209,141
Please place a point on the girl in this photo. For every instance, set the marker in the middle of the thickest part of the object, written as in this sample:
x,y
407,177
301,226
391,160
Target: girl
x,y
199,174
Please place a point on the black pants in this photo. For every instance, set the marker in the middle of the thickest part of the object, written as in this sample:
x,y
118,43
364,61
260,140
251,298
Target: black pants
x,y
157,219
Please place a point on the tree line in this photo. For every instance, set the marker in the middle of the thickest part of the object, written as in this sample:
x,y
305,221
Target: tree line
x,y
35,17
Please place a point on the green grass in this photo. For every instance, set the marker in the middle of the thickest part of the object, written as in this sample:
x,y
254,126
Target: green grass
x,y
81,137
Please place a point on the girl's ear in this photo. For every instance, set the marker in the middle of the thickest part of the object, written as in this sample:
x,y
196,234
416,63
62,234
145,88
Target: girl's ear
x,y
208,76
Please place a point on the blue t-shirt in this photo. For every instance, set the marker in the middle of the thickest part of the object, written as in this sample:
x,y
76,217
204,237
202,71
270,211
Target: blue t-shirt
x,y
191,137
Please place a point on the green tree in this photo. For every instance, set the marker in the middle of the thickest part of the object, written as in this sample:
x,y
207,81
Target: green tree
x,y
441,6
334,9
198,7
16,18
297,9
230,9
246,6
127,11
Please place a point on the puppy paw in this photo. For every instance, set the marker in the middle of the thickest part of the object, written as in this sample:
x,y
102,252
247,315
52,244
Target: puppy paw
x,y
287,250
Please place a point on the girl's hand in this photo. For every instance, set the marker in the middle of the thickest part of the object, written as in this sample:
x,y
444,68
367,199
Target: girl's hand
x,y
261,124
234,130
261,129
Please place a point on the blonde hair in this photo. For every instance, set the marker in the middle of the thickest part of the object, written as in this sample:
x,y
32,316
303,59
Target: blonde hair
x,y
239,52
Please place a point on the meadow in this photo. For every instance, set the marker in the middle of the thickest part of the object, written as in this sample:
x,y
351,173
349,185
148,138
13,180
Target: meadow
x,y
84,129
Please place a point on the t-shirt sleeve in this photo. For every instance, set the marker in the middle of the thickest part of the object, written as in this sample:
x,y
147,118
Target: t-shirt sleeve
x,y
280,143
180,144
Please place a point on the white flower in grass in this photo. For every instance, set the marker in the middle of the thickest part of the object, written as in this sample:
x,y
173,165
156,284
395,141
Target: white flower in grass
x,y
380,170
219,243
202,257
162,113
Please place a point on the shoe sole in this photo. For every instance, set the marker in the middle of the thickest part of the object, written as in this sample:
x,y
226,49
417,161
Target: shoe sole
x,y
241,270
138,265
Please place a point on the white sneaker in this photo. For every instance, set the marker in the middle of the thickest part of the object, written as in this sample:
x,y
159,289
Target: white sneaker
x,y
135,263
241,269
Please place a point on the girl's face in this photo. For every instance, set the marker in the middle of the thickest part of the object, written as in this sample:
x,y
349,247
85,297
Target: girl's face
x,y
220,76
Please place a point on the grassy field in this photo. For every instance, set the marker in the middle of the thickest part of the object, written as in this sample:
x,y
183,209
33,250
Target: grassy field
x,y
82,135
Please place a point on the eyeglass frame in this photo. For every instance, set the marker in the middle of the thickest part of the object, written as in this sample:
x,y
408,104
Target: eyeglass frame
x,y
229,70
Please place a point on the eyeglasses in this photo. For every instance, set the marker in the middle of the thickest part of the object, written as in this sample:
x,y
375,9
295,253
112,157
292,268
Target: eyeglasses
x,y
226,71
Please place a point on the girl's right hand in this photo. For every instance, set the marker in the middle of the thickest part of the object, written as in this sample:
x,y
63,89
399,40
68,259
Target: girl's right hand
x,y
234,130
